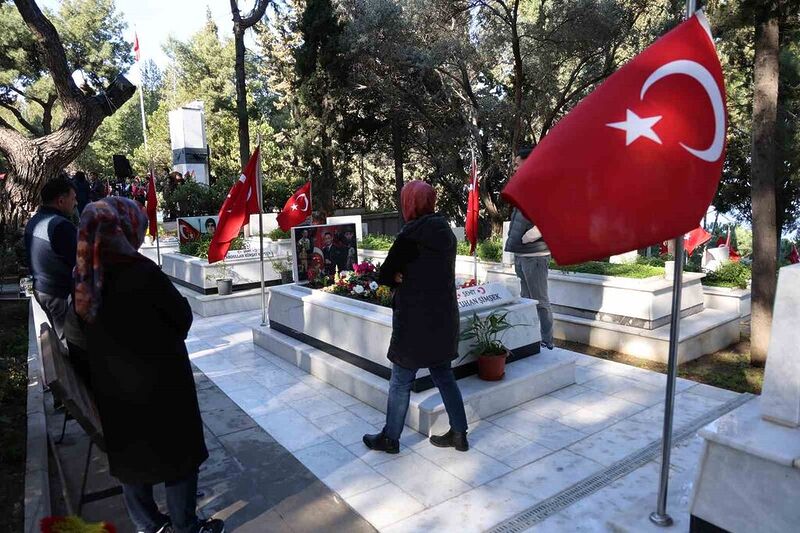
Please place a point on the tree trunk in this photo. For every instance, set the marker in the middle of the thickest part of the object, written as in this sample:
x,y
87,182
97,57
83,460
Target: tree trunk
x,y
763,169
519,78
324,184
398,156
241,97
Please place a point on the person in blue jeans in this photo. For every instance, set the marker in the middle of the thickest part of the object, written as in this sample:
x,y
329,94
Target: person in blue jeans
x,y
420,267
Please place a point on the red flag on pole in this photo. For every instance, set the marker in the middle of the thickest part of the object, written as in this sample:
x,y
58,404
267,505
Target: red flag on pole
x,y
473,207
794,257
693,239
241,202
638,160
297,208
135,46
151,207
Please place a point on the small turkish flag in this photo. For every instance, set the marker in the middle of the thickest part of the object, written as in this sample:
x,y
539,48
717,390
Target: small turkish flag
x,y
693,239
638,160
297,208
151,207
186,232
241,202
473,207
136,46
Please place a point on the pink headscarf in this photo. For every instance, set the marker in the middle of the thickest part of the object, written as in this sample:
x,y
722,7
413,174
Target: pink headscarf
x,y
111,232
417,199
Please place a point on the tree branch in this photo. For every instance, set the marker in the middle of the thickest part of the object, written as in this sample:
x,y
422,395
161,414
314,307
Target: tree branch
x,y
21,119
26,96
255,15
52,50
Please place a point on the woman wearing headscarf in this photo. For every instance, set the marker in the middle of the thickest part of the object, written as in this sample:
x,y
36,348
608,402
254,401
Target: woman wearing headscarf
x,y
141,377
420,267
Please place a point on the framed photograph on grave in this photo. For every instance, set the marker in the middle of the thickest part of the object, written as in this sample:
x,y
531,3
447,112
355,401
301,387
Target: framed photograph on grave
x,y
323,250
190,228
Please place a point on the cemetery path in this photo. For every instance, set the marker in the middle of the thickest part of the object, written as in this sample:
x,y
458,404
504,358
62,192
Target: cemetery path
x,y
286,451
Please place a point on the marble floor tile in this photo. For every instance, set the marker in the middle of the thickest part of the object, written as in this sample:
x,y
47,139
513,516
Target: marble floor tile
x,y
229,383
588,421
616,442
368,413
345,427
471,512
715,393
342,471
540,430
610,383
272,377
317,406
472,467
643,396
548,476
585,360
568,392
550,407
587,373
384,505
423,479
291,430
614,406
257,401
373,458
292,392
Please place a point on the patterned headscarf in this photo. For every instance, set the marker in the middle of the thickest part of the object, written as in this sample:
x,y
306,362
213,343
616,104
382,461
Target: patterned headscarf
x,y
111,232
417,199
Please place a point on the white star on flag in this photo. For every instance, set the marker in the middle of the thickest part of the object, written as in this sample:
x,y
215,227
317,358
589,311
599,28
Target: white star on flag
x,y
294,207
636,126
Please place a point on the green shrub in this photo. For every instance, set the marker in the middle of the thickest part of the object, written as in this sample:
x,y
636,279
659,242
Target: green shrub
x,y
376,241
623,270
491,249
278,234
199,247
463,248
729,275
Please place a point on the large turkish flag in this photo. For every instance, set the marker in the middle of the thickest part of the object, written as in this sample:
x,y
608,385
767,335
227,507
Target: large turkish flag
x,y
638,161
241,202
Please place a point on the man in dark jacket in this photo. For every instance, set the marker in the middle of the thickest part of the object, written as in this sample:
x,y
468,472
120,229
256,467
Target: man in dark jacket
x,y
51,242
531,261
420,267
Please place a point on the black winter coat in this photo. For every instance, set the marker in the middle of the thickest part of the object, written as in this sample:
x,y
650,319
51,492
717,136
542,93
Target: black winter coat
x,y
141,376
425,322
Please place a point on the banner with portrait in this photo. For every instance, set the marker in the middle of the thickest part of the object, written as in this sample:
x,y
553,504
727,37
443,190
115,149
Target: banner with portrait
x,y
191,228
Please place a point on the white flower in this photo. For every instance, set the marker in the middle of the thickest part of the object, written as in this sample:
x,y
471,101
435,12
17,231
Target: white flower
x,y
373,285
358,289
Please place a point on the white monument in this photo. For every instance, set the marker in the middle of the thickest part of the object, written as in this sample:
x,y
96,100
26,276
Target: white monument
x,y
187,133
749,472
627,257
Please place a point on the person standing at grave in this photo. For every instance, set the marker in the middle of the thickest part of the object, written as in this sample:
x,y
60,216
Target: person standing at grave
x,y
420,267
142,383
50,244
531,261
81,189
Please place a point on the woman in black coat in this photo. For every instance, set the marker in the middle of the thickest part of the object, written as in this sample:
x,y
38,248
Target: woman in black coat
x,y
139,371
420,267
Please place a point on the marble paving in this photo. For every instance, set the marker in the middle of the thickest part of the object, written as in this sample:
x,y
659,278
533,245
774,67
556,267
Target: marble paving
x,y
517,458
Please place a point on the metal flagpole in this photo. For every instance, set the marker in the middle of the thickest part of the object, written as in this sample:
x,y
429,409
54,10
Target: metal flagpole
x,y
261,234
660,517
158,243
475,251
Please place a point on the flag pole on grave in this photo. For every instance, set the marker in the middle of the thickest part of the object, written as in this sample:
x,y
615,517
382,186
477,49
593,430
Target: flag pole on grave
x,y
261,234
660,517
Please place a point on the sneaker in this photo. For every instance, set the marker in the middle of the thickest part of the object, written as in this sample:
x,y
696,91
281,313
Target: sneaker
x,y
548,345
212,525
381,443
451,439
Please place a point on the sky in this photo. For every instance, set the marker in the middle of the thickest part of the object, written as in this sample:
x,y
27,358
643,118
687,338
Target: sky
x,y
156,20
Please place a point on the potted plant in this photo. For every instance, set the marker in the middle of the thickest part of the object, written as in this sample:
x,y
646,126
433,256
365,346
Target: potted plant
x,y
224,278
284,268
491,352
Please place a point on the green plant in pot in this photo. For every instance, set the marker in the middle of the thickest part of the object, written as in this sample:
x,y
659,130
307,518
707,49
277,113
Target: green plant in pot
x,y
284,268
485,334
223,274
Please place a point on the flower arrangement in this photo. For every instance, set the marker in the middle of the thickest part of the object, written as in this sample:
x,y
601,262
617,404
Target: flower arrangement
x,y
361,283
469,283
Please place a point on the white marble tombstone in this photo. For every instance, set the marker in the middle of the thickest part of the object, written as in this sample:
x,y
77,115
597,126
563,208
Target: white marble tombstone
x,y
627,257
187,133
749,474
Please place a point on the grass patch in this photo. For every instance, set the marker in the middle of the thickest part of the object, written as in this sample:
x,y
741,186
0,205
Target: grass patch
x,y
13,420
727,369
623,270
